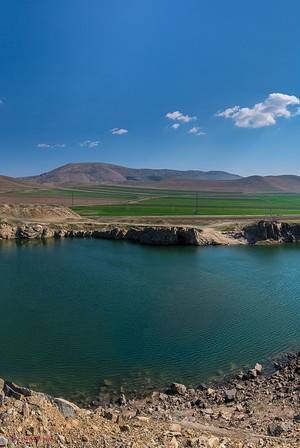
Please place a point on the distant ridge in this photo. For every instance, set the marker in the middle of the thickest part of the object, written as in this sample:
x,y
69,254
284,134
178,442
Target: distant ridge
x,y
105,173
88,174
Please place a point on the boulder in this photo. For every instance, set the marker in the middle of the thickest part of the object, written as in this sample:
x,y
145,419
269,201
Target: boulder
x,y
66,408
178,389
12,389
230,395
275,429
258,368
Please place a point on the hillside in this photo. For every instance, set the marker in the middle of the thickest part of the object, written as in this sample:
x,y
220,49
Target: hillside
x,y
103,173
9,183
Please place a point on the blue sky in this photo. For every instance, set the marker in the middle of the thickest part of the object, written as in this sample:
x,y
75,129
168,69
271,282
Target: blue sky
x,y
108,80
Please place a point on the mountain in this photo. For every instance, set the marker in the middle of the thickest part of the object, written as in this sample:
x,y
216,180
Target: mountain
x,y
76,174
104,173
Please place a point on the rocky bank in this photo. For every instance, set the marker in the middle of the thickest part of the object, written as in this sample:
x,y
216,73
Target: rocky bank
x,y
261,232
246,411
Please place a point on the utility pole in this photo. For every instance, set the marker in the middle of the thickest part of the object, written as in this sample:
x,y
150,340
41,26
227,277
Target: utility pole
x,y
197,203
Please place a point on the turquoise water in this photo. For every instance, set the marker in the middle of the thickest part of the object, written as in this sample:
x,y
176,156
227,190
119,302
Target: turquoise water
x,y
78,313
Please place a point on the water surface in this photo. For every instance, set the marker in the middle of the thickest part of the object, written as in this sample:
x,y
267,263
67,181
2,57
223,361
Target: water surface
x,y
79,313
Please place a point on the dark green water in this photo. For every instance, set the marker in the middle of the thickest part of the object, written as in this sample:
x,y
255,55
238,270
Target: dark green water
x,y
76,312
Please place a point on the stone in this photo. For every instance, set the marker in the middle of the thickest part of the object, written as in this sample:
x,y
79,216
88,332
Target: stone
x,y
275,429
296,418
172,443
175,427
66,408
210,391
25,410
2,383
200,403
109,415
16,391
213,442
230,395
3,442
252,373
124,428
258,368
177,388
122,400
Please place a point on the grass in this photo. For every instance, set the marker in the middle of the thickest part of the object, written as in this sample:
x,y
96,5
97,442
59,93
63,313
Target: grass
x,y
141,201
184,204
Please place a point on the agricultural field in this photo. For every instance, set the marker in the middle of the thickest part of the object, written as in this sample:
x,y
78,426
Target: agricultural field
x,y
107,201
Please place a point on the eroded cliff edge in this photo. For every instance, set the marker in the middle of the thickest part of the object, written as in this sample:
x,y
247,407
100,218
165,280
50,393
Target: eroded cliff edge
x,y
253,233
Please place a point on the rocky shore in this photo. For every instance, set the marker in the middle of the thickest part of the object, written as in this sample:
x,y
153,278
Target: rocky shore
x,y
246,411
261,232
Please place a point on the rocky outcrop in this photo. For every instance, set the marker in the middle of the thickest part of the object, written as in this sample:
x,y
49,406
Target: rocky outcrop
x,y
272,231
255,233
152,235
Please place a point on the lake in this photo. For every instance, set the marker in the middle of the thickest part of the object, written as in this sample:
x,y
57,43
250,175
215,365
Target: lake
x,y
83,317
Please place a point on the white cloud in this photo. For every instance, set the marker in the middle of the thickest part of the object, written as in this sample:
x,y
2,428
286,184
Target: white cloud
x,y
119,131
47,145
179,116
175,125
196,130
265,113
89,144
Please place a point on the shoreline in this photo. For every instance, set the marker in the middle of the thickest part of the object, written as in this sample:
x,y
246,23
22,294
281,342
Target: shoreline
x,y
259,232
250,406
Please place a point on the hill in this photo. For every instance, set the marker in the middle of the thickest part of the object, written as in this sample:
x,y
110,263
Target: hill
x,y
9,183
104,173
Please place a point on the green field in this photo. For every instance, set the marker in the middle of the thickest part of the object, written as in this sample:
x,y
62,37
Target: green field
x,y
188,203
104,200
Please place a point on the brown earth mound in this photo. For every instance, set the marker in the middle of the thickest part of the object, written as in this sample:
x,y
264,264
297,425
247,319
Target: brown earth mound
x,y
37,212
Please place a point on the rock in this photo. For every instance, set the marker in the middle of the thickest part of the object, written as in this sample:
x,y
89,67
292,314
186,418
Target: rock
x,y
3,442
210,391
175,427
258,368
66,408
122,400
275,429
124,428
296,418
16,391
230,395
2,397
172,443
200,403
2,383
213,442
251,374
25,410
61,438
109,415
177,388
